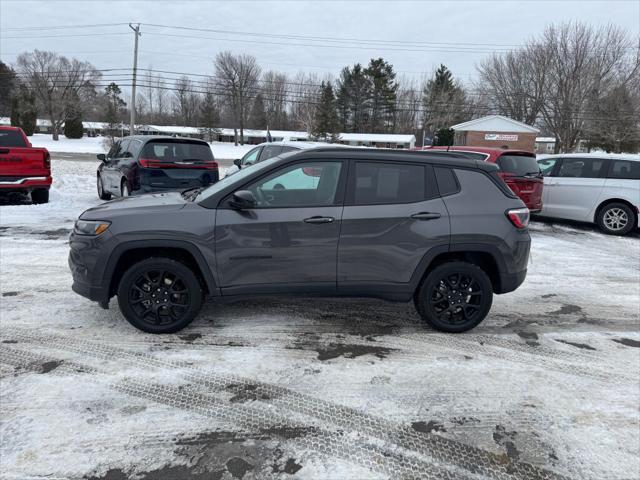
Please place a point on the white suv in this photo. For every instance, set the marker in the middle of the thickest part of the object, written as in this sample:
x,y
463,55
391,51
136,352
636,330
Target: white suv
x,y
599,188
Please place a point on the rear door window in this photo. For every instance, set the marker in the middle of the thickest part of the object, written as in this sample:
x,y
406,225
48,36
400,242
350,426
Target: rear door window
x,y
387,183
625,169
518,165
581,167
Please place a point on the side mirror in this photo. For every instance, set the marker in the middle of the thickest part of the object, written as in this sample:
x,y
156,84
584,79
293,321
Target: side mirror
x,y
238,162
101,156
243,200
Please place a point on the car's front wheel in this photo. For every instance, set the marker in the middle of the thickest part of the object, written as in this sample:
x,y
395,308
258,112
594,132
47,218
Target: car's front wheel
x,y
159,295
454,297
101,193
616,219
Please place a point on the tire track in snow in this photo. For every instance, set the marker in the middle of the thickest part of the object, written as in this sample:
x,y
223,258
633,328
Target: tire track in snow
x,y
450,452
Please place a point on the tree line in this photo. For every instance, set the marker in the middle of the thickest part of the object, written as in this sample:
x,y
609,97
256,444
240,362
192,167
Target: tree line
x,y
573,81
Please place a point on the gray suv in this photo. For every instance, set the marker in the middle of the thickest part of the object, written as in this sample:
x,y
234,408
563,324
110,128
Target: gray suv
x,y
444,232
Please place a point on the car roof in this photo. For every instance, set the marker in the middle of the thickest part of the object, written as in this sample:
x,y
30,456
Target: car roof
x,y
634,157
488,150
398,155
148,138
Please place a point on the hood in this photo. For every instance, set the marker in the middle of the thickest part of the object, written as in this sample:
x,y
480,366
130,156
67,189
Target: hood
x,y
152,202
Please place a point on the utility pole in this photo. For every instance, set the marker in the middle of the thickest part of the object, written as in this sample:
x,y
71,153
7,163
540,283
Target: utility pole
x,y
132,123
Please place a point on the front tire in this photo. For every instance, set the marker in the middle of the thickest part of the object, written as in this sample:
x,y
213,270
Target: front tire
x,y
454,297
616,219
40,196
101,193
159,295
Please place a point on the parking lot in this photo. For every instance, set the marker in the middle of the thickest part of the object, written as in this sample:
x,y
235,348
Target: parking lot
x,y
546,387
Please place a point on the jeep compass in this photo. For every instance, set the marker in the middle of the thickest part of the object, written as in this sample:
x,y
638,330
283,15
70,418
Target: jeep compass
x,y
401,226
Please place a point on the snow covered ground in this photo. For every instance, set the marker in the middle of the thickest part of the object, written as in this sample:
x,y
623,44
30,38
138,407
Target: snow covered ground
x,y
548,386
94,145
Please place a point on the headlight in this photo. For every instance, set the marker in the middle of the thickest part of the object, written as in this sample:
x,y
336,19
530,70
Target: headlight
x,y
83,227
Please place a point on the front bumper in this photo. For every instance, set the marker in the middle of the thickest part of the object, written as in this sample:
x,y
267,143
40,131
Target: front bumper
x,y
86,265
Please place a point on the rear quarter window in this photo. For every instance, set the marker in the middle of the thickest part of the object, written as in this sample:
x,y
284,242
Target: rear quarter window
x,y
447,182
625,169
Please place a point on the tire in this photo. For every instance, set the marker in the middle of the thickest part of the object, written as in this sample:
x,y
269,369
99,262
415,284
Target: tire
x,y
124,188
441,304
163,281
40,196
101,193
616,219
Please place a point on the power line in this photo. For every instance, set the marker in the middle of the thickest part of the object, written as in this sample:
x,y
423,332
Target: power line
x,y
62,27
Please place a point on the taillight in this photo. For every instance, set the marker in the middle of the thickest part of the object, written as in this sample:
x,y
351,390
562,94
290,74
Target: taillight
x,y
150,163
47,161
519,217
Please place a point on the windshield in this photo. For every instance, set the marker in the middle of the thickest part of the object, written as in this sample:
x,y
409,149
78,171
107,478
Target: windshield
x,y
519,165
235,178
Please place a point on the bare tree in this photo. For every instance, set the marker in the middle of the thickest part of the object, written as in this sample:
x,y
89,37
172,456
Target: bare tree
x,y
58,82
305,97
408,106
274,94
514,83
584,63
237,76
186,101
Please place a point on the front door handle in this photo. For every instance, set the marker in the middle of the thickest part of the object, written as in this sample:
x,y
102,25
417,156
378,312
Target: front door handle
x,y
319,220
426,216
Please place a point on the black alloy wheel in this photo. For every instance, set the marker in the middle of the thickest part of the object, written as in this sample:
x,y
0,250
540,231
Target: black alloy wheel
x,y
455,297
159,295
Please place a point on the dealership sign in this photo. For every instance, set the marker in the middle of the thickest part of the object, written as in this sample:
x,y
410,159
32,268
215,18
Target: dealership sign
x,y
501,136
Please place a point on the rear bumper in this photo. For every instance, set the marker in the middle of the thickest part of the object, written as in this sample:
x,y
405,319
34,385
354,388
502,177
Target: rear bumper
x,y
511,281
29,183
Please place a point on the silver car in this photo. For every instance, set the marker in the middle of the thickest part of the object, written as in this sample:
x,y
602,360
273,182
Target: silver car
x,y
598,188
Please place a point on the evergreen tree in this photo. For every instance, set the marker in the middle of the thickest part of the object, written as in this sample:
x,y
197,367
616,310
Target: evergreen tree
x,y
24,112
444,137
258,115
444,101
209,115
326,124
354,99
114,108
7,88
383,95
73,123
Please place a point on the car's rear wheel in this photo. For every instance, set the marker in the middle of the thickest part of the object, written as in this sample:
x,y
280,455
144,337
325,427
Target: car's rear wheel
x,y
124,189
454,297
159,295
101,193
40,196
616,219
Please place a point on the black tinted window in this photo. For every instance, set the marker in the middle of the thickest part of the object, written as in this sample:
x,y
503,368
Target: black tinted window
x,y
169,151
519,165
378,183
11,138
447,183
581,167
625,169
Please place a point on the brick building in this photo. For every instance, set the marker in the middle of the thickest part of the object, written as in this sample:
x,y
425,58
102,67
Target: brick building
x,y
496,131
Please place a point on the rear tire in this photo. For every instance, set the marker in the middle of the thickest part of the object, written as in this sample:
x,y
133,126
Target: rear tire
x,y
101,193
40,196
454,297
159,295
616,219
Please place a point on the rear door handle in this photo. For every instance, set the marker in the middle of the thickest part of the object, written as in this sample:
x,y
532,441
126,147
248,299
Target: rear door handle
x,y
426,216
319,220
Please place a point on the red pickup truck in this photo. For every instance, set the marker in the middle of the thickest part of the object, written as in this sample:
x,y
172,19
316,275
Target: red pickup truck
x,y
23,168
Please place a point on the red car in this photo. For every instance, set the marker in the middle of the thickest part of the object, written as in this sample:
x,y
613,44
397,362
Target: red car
x,y
23,168
518,169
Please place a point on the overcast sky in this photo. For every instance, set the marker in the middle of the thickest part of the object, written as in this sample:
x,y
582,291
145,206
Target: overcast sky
x,y
442,28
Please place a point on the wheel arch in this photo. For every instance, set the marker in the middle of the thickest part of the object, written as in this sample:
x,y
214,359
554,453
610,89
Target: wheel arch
x,y
606,202
128,253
